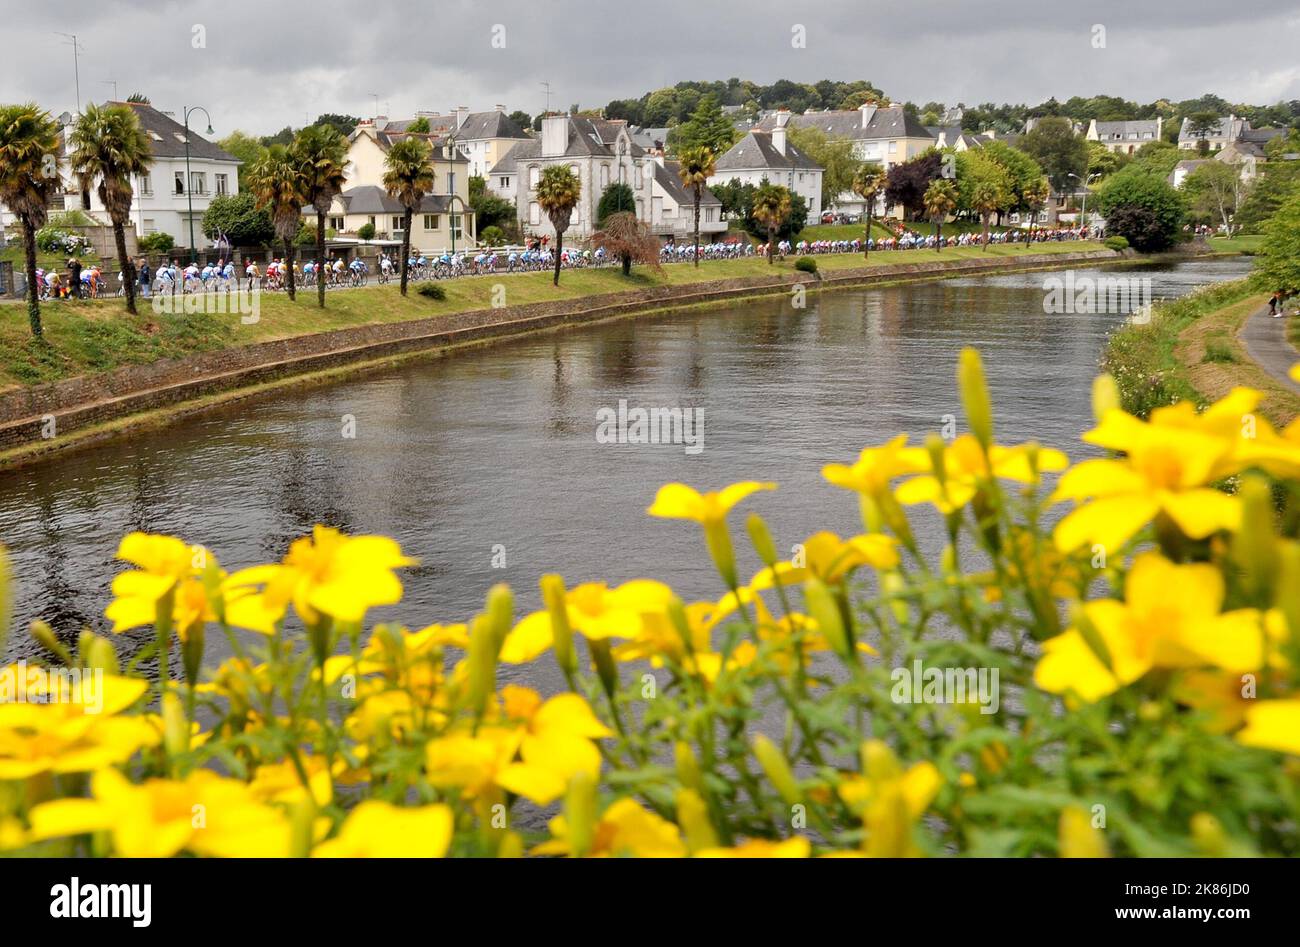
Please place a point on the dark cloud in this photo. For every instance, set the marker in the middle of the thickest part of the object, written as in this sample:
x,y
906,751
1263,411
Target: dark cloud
x,y
266,65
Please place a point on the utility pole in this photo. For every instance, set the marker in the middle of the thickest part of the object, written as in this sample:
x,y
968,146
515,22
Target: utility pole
x,y
375,96
113,83
76,63
547,87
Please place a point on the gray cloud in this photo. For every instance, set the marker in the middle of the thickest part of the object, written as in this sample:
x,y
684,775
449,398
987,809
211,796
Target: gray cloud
x,y
266,65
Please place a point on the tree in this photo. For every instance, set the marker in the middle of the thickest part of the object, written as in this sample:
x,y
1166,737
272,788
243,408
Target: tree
x,y
238,217
419,127
1277,266
1103,162
490,210
320,151
615,199
522,119
244,147
627,240
1215,189
1035,197
138,98
276,182
836,156
706,128
1200,125
343,124
108,145
29,177
1157,156
1278,182
771,208
907,181
408,177
1022,172
984,188
1058,151
1142,207
868,181
558,193
698,164
940,201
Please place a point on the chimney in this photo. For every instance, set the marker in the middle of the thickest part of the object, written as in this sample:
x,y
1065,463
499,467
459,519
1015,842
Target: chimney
x,y
868,111
555,135
499,108
778,130
462,112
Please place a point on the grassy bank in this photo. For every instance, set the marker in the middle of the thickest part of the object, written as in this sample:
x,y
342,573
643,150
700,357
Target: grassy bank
x,y
1248,244
88,337
1190,351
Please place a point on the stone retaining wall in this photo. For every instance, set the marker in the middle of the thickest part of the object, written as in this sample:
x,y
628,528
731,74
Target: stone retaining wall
x,y
77,403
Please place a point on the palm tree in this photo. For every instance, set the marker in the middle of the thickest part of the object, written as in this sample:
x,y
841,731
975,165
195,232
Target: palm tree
x,y
109,146
868,181
408,177
771,208
940,200
1035,196
697,166
29,176
276,183
558,193
319,151
985,198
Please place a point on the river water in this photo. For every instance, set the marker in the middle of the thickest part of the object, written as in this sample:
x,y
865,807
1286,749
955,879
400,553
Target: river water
x,y
490,458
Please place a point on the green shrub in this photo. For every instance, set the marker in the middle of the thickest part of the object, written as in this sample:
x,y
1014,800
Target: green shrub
x,y
432,291
1218,351
157,243
806,264
366,231
1116,243
492,236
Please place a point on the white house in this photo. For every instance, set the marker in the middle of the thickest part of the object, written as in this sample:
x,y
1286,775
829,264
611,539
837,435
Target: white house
x,y
1125,137
1224,133
769,156
673,207
483,137
597,151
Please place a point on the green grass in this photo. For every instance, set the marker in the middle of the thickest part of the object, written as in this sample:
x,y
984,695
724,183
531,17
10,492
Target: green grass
x,y
843,231
46,261
1244,243
95,336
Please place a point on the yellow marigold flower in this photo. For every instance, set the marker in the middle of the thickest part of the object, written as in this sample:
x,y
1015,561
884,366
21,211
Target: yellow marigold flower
x,y
330,573
829,558
378,830
204,813
280,782
966,468
1273,725
77,733
595,610
889,799
678,501
877,467
1168,469
1169,618
797,847
1078,838
625,829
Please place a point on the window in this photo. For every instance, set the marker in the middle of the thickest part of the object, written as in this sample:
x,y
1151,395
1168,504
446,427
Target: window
x,y
150,225
430,221
639,183
575,170
371,220
198,182
534,174
893,147
146,185
454,222
604,175
640,208
503,182
534,213
222,190
180,182
397,225
337,223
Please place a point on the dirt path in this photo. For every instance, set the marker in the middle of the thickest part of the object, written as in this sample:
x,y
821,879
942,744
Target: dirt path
x,y
1265,341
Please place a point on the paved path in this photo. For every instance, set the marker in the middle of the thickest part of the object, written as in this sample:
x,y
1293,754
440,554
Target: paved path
x,y
1265,341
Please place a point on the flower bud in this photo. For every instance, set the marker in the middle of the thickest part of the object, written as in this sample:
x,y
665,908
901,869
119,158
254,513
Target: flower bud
x,y
826,612
778,771
580,813
500,614
761,537
1105,395
693,817
302,826
45,636
718,541
98,653
975,395
1254,546
176,726
681,624
892,585
481,664
879,763
1077,837
935,447
604,661
554,598
1209,836
688,767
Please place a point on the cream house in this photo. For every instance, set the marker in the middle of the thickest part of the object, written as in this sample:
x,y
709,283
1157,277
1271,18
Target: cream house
x,y
1125,137
598,152
443,218
769,156
672,215
483,137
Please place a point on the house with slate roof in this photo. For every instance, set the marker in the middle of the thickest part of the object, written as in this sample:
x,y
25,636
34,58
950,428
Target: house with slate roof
x,y
767,155
484,137
1125,137
672,214
599,152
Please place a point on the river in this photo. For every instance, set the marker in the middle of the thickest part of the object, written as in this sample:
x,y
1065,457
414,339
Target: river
x,y
486,464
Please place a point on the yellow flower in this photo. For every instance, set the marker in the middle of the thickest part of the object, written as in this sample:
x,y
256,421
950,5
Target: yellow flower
x,y
331,574
77,733
625,829
166,564
1077,838
797,847
829,558
204,813
876,467
1273,725
966,469
889,800
1169,618
595,610
280,782
1168,469
678,501
378,830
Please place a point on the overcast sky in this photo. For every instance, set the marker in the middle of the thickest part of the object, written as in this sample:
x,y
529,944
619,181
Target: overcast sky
x,y
264,65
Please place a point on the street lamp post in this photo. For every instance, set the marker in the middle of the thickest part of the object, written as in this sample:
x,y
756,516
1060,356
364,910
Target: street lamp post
x,y
189,180
1083,211
450,152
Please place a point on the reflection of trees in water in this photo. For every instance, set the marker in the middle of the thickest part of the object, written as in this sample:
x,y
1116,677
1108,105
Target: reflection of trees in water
x,y
64,598
308,492
616,356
